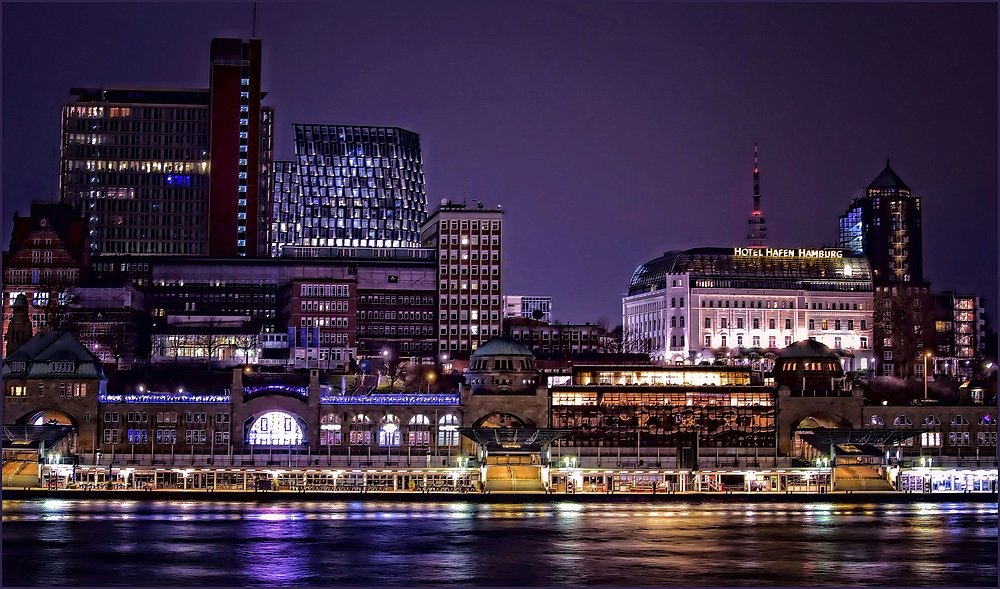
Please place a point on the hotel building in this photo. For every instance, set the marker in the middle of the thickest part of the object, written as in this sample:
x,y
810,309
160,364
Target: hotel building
x,y
722,304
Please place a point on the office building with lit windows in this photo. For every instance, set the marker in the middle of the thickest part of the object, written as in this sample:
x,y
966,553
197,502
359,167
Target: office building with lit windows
x,y
744,304
349,186
173,172
469,243
526,305
884,222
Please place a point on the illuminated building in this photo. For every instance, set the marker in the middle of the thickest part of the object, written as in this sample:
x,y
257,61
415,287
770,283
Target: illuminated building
x,y
469,242
744,304
883,222
959,334
152,170
683,427
350,186
47,254
560,339
756,225
526,305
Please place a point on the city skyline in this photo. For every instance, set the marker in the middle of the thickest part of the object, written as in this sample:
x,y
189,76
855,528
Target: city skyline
x,y
500,122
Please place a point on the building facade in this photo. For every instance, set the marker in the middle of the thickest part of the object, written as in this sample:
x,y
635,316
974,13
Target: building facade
x,y
745,304
884,222
959,334
561,339
350,186
47,255
172,172
526,305
469,244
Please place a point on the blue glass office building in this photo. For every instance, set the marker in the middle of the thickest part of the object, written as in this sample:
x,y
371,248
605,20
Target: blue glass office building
x,y
350,187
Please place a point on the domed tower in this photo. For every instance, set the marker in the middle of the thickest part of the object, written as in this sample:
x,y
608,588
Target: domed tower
x,y
502,366
19,328
808,368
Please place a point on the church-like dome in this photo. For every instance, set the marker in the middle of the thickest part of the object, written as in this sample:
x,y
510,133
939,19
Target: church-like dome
x,y
502,346
808,349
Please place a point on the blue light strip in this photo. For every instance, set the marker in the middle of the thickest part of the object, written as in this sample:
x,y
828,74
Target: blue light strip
x,y
277,388
448,400
165,398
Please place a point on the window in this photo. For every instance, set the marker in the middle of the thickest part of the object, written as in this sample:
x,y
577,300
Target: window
x,y
739,323
723,343
864,343
111,436
812,324
708,341
723,323
770,323
708,322
902,421
930,439
958,438
756,323
788,323
864,324
887,355
17,391
876,421
448,430
959,420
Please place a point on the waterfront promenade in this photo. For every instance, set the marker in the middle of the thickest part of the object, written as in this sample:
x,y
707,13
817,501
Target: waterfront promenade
x,y
877,497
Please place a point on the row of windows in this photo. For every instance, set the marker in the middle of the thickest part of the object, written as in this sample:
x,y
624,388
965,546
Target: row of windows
x,y
324,290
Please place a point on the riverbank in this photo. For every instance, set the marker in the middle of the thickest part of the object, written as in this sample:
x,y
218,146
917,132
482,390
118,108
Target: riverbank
x,y
887,497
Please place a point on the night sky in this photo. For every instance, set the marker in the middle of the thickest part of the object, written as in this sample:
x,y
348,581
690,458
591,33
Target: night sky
x,y
610,132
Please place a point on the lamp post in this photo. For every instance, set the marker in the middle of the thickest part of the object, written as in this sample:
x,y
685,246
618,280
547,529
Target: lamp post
x,y
926,356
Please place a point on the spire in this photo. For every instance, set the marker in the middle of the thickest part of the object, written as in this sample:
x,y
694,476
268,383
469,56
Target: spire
x,y
756,226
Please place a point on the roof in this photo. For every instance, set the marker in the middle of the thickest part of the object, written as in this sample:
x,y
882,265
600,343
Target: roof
x,y
888,178
47,347
810,273
502,346
807,349
60,218
31,436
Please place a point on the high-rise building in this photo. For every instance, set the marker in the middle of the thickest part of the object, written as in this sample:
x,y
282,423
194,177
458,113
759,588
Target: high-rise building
x,y
884,223
135,164
526,305
173,172
350,186
241,147
756,225
469,242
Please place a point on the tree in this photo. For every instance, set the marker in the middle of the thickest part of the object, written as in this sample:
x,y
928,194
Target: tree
x,y
393,370
245,343
903,319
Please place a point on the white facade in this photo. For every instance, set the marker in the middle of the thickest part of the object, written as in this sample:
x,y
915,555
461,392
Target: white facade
x,y
690,320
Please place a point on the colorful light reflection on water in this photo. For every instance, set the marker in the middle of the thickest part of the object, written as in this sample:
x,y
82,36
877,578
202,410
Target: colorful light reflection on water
x,y
151,543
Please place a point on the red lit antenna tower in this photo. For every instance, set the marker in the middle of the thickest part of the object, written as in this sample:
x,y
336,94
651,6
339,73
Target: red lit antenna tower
x,y
756,226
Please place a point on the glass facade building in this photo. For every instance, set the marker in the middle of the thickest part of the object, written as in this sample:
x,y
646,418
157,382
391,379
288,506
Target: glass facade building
x,y
349,187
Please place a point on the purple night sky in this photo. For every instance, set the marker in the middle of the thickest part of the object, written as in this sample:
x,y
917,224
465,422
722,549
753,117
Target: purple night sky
x,y
609,131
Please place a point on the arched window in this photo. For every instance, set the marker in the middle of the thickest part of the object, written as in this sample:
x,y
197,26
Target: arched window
x,y
418,431
275,428
876,421
902,421
361,430
330,430
987,420
448,430
959,420
931,421
388,431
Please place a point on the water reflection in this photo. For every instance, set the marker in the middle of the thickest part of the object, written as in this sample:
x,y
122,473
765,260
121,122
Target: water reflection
x,y
103,543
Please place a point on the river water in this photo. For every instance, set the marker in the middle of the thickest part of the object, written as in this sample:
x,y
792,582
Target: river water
x,y
189,543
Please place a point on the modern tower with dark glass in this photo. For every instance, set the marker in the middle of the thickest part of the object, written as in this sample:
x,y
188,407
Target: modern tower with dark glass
x,y
350,187
884,222
756,225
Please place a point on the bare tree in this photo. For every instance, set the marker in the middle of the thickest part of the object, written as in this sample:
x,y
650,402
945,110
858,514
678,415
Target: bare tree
x,y
245,343
903,318
210,341
394,370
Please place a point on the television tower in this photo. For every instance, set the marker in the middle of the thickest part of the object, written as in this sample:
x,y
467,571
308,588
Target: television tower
x,y
756,225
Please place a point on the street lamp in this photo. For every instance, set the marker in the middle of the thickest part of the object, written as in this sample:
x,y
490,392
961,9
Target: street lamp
x,y
926,356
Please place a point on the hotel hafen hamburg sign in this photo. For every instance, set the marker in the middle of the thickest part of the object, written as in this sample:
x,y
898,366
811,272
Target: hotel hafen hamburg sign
x,y
772,252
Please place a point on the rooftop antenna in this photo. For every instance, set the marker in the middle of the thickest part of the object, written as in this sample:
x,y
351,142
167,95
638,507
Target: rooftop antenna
x,y
253,26
756,226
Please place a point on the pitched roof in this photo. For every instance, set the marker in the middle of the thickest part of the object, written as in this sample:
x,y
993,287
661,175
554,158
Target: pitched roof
x,y
888,178
54,346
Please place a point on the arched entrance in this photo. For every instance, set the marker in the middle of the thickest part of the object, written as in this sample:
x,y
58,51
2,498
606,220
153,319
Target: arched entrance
x,y
810,423
53,417
275,428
